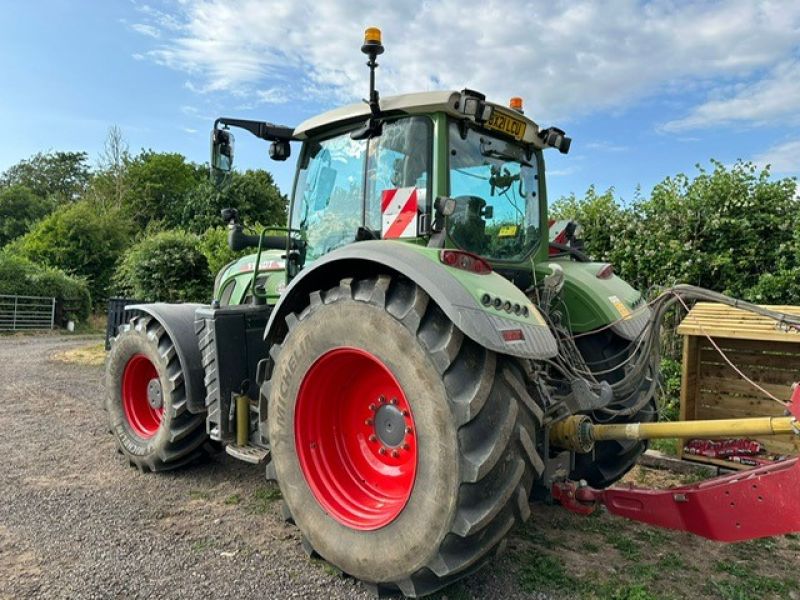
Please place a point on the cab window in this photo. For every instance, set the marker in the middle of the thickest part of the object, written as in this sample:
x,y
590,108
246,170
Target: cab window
x,y
399,159
330,190
341,183
495,187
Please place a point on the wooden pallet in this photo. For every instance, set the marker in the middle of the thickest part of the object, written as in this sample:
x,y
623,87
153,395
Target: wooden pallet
x,y
711,389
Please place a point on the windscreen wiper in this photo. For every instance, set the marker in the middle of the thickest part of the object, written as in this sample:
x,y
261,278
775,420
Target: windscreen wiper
x,y
492,153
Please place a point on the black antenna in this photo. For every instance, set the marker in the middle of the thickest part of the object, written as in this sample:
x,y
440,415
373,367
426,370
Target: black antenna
x,y
372,47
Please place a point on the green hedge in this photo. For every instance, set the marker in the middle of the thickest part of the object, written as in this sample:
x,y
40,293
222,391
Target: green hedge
x,y
732,229
166,267
19,276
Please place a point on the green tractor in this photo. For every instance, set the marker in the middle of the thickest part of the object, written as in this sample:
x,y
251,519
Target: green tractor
x,y
396,355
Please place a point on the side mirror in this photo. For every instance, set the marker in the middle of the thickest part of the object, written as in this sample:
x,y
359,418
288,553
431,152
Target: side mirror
x,y
280,150
556,138
222,142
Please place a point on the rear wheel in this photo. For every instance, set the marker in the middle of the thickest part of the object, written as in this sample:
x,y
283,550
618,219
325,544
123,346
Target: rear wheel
x,y
146,400
404,451
611,460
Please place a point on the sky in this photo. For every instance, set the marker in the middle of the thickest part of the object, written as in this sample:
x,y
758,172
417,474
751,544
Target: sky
x,y
645,89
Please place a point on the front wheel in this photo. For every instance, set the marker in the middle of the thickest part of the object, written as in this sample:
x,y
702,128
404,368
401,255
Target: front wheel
x,y
146,400
404,451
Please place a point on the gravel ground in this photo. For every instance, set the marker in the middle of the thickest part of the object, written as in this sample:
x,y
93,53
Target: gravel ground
x,y
77,522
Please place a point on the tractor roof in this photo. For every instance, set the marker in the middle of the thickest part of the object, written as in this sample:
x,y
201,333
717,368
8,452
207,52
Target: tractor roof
x,y
420,102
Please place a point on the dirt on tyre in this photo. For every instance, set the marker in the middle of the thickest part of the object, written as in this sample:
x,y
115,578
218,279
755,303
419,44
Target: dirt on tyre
x,y
146,400
404,451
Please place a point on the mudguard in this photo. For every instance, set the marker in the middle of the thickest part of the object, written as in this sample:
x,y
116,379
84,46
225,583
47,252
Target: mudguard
x,y
594,302
457,292
178,321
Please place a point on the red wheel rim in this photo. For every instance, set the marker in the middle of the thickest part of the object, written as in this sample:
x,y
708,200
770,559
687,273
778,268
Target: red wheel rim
x,y
355,438
142,400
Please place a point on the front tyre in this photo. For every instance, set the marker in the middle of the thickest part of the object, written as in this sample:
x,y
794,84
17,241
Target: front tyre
x,y
146,400
404,451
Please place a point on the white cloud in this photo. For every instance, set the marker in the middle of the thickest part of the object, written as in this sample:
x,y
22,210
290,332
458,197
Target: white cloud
x,y
189,130
144,29
775,97
784,159
566,58
273,95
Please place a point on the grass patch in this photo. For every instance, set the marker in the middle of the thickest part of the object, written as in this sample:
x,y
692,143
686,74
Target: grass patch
x,y
263,498
327,567
233,499
199,495
93,355
624,544
746,583
669,447
625,591
672,561
538,571
201,545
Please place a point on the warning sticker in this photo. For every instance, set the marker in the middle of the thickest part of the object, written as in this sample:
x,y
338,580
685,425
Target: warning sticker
x,y
399,213
623,310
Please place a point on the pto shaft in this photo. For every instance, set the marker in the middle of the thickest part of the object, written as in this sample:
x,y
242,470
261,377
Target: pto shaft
x,y
578,433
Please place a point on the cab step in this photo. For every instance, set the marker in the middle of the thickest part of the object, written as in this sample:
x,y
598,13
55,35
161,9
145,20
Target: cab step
x,y
254,455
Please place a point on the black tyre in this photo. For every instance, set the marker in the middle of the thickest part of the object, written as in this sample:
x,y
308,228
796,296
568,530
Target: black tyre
x,y
412,511
146,400
611,460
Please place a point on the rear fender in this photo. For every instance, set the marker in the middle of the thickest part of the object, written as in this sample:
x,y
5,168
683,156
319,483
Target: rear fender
x,y
178,321
594,302
458,293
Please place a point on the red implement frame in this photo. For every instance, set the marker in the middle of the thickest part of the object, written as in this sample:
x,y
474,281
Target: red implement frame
x,y
761,502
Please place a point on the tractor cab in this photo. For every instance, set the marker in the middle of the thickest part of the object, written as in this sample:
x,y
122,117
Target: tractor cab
x,y
439,173
443,169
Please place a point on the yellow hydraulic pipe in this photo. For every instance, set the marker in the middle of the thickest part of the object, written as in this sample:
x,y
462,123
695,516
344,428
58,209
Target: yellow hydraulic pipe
x,y
717,428
242,420
579,433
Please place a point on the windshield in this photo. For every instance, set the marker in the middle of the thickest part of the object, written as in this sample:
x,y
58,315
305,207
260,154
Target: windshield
x,y
495,186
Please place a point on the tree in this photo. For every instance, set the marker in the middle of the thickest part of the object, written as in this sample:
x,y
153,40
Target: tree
x,y
166,267
157,186
80,240
62,176
20,208
110,182
253,193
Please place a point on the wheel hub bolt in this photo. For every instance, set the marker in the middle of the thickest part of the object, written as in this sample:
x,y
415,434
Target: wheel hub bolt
x,y
406,447
405,413
409,430
394,401
382,450
154,395
382,399
373,408
368,422
373,438
395,454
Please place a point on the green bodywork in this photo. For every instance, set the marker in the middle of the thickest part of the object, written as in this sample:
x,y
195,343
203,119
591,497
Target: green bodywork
x,y
590,301
234,282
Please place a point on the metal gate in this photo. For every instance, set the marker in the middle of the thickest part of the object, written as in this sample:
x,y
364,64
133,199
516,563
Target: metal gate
x,y
19,313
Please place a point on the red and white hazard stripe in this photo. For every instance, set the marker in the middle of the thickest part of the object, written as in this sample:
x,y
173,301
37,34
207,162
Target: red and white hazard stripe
x,y
399,213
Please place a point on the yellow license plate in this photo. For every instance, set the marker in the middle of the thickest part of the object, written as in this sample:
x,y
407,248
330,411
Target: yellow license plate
x,y
507,124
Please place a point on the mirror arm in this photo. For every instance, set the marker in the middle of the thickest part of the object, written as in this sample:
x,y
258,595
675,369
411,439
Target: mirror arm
x,y
260,129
